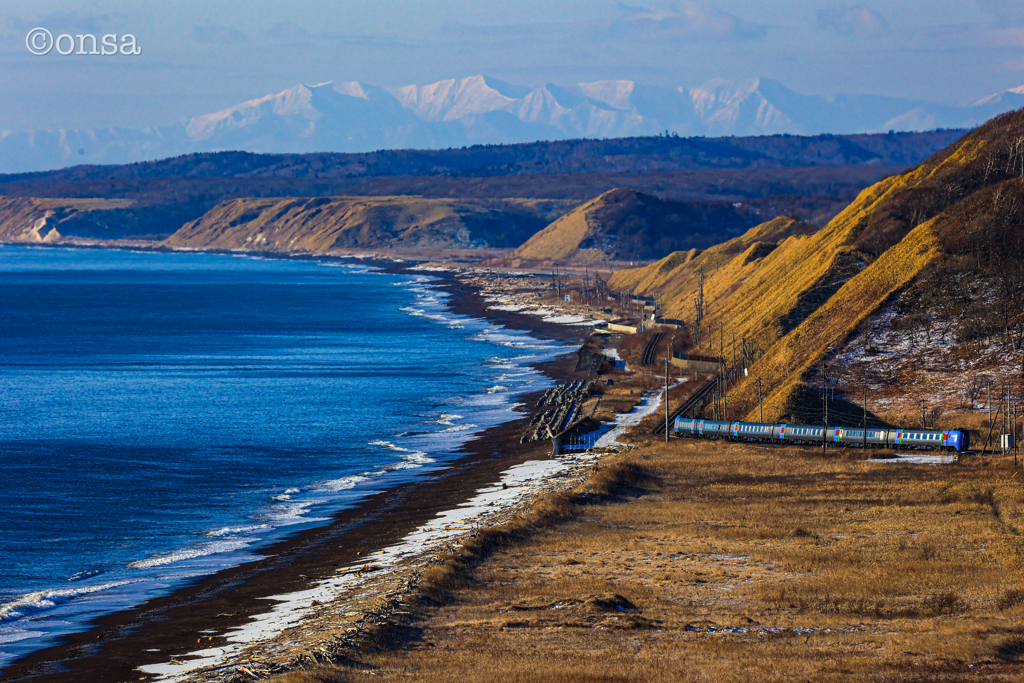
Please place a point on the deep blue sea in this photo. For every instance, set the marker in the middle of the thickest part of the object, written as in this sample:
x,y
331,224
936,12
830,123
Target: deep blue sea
x,y
163,414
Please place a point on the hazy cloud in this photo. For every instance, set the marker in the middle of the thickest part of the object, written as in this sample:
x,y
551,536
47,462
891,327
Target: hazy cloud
x,y
287,32
1014,64
982,35
687,20
507,32
215,34
853,21
63,22
1006,12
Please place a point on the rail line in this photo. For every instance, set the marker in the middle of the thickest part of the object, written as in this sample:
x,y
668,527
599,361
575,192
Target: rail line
x,y
651,350
688,405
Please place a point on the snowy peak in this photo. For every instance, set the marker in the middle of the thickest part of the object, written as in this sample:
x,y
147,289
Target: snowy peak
x,y
615,94
349,116
451,100
1014,95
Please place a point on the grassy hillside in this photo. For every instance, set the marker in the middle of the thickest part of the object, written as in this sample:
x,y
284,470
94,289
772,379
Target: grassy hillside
x,y
948,232
676,275
624,224
330,223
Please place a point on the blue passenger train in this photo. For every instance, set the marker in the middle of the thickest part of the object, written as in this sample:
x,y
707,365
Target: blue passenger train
x,y
878,437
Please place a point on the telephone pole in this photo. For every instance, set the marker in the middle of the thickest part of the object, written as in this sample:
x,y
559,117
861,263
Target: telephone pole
x,y
865,418
989,439
666,393
824,398
725,398
760,405
698,303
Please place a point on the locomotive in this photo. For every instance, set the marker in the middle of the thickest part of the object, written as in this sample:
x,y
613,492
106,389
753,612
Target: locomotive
x,y
878,437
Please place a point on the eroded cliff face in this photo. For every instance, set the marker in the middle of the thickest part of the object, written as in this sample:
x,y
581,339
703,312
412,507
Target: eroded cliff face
x,y
323,224
51,221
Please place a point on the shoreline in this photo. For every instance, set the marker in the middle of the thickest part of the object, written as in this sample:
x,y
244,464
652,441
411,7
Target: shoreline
x,y
114,645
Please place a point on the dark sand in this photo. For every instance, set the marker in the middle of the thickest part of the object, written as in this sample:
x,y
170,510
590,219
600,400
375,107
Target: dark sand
x,y
113,648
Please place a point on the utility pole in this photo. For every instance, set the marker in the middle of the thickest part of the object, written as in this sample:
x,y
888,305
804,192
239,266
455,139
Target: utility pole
x,y
824,398
923,425
865,418
666,394
1006,408
989,438
760,405
699,312
725,398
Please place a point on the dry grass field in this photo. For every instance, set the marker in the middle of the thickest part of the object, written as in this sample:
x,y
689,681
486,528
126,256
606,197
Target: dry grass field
x,y
703,561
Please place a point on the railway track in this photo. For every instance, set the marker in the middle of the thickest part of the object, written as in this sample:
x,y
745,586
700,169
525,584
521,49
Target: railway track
x,y
651,350
690,403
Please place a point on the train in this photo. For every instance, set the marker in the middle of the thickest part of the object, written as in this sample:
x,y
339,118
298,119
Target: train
x,y
876,437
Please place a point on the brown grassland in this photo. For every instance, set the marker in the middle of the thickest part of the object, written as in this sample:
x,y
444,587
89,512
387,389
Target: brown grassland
x,y
709,561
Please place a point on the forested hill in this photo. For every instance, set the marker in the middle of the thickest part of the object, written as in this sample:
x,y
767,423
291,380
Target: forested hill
x,y
622,155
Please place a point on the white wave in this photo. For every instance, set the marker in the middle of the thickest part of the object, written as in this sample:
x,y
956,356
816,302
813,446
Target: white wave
x,y
41,601
190,553
497,388
408,455
448,419
387,444
15,636
236,530
341,484
287,513
524,345
504,377
459,428
420,313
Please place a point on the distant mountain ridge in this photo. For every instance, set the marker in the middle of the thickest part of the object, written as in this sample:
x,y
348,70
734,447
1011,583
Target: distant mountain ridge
x,y
356,117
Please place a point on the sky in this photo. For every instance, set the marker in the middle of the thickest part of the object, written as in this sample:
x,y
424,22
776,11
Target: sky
x,y
199,56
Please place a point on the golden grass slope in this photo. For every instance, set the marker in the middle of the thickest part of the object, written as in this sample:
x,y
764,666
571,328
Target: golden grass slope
x,y
752,298
675,276
324,224
805,297
627,225
562,239
791,285
781,368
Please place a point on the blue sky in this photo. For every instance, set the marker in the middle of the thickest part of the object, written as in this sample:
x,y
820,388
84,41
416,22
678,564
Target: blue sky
x,y
203,55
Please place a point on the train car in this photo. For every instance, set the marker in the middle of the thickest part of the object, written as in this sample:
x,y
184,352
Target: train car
x,y
955,439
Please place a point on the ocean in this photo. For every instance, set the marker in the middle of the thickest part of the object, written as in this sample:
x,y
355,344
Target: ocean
x,y
163,415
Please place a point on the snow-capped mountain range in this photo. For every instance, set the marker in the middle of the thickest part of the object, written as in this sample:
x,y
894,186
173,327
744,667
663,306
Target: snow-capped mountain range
x,y
356,117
